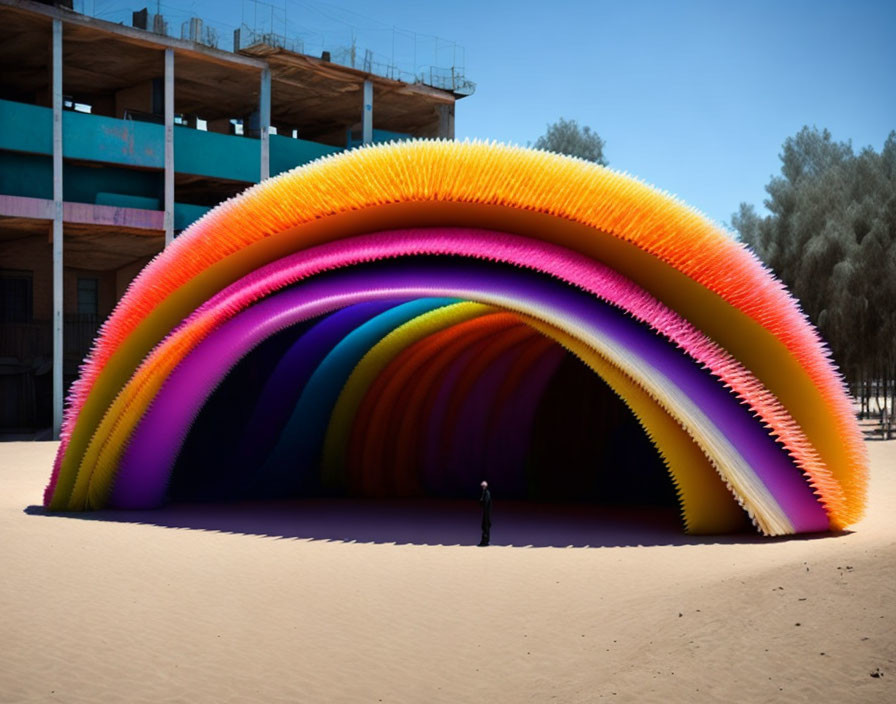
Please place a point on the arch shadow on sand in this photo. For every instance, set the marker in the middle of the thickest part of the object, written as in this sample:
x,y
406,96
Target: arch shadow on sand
x,y
429,522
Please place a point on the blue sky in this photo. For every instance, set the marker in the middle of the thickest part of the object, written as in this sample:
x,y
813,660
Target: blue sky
x,y
695,97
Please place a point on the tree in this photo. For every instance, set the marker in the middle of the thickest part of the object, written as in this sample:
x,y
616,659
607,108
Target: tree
x,y
831,238
566,137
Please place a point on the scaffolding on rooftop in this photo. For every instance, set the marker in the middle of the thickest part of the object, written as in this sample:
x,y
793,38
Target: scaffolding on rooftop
x,y
271,24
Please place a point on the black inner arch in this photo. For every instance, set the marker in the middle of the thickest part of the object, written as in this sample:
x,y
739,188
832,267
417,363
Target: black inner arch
x,y
588,446
213,464
585,447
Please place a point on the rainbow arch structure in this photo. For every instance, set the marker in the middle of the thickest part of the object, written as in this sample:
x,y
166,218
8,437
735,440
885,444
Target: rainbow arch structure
x,y
431,289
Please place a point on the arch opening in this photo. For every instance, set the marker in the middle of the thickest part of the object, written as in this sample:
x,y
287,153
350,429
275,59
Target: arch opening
x,y
560,437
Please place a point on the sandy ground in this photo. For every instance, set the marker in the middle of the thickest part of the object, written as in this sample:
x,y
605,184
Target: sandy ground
x,y
354,602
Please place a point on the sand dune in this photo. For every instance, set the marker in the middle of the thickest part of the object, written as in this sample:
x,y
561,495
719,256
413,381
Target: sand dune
x,y
252,603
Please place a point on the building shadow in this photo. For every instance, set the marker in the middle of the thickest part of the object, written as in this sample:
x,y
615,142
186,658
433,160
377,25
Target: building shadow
x,y
427,522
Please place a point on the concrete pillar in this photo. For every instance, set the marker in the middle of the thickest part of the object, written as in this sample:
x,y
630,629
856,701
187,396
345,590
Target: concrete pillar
x,y
264,120
367,117
169,146
57,228
446,121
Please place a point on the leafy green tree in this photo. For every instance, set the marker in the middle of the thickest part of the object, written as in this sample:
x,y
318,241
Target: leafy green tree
x,y
831,238
566,137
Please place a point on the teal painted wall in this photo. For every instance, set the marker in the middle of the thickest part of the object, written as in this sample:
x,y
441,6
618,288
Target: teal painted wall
x,y
26,175
218,155
120,145
185,214
287,153
98,138
26,128
123,200
31,175
84,184
29,128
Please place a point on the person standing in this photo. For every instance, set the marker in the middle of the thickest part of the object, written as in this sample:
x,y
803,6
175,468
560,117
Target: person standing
x,y
485,501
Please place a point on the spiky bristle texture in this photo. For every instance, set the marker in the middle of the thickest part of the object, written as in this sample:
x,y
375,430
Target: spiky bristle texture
x,y
525,180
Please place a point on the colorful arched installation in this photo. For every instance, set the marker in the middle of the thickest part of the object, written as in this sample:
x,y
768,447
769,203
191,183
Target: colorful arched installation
x,y
421,297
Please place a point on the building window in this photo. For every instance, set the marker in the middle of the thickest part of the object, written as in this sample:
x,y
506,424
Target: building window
x,y
88,296
16,295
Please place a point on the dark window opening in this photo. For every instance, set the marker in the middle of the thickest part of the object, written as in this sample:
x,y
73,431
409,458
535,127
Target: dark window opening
x,y
16,296
88,296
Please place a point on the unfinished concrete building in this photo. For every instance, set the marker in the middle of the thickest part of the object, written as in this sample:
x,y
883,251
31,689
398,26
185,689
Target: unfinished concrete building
x,y
114,138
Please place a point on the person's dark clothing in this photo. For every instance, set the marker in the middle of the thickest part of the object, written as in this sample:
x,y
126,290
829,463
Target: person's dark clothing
x,y
485,501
